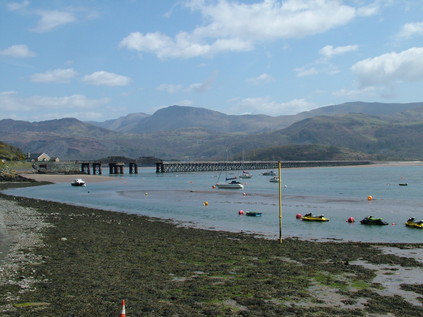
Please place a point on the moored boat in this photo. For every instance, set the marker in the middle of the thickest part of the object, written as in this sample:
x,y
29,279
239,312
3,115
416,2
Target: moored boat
x,y
370,220
311,217
245,175
269,173
274,179
231,185
253,214
78,182
412,223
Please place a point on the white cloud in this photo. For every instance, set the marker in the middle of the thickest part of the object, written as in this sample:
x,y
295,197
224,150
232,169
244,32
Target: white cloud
x,y
183,46
54,76
390,68
329,51
14,6
102,78
262,78
306,71
366,92
265,105
17,51
52,19
410,30
235,26
195,87
11,104
370,9
170,88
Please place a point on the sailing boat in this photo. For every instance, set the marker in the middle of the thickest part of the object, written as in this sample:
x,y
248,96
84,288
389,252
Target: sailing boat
x,y
233,184
245,174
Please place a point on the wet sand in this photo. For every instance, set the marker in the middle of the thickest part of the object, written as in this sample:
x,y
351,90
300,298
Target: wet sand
x,y
66,260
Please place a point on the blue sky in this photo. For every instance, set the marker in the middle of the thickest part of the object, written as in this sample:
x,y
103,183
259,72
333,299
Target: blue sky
x,y
102,59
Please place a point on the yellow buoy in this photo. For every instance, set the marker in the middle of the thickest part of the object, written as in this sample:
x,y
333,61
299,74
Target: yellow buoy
x,y
206,203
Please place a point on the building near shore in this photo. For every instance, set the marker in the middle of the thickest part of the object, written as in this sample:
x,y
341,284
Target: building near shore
x,y
37,157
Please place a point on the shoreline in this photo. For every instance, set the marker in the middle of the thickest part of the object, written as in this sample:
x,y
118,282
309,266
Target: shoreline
x,y
163,269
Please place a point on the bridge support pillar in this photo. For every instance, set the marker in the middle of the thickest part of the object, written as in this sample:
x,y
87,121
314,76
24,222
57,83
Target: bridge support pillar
x,y
85,168
97,168
159,167
116,168
133,168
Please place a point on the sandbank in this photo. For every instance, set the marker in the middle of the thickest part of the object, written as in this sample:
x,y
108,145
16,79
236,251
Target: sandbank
x,y
59,178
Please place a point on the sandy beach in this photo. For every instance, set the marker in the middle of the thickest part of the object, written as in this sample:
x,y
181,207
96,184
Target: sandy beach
x,y
65,260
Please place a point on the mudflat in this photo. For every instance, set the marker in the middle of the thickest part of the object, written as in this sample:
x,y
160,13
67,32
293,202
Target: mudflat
x,y
66,260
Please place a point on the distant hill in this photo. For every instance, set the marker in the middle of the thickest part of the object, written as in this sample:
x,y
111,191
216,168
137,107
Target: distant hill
x,y
182,117
369,108
187,133
65,138
309,152
123,124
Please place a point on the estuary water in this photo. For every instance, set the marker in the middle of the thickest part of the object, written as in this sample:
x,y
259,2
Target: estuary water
x,y
336,192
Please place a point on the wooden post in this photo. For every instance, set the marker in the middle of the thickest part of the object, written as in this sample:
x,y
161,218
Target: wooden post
x,y
280,200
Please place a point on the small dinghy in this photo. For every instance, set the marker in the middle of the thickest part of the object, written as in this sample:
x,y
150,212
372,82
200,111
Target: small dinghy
x,y
78,182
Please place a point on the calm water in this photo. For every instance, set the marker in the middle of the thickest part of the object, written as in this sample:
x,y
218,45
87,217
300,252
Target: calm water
x,y
336,192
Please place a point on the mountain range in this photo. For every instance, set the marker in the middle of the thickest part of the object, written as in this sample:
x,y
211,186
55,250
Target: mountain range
x,y
356,130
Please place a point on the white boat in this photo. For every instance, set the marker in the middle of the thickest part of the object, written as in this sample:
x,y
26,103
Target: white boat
x,y
269,173
231,185
274,179
245,175
78,182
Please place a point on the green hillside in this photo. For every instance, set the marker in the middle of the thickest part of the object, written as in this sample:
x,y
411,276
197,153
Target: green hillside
x,y
10,153
314,152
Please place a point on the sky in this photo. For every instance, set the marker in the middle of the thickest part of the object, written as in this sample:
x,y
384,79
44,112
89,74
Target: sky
x,y
103,59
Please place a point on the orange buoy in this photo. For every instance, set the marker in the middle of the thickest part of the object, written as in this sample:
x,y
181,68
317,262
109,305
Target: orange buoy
x,y
213,187
299,216
369,198
350,220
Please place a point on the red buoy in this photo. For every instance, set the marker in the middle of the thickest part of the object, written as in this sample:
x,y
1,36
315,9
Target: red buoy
x,y
350,220
241,212
299,216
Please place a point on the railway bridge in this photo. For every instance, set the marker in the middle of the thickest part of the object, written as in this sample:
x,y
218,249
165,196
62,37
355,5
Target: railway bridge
x,y
170,167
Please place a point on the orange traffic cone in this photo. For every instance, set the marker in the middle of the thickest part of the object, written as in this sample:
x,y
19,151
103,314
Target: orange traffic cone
x,y
123,314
